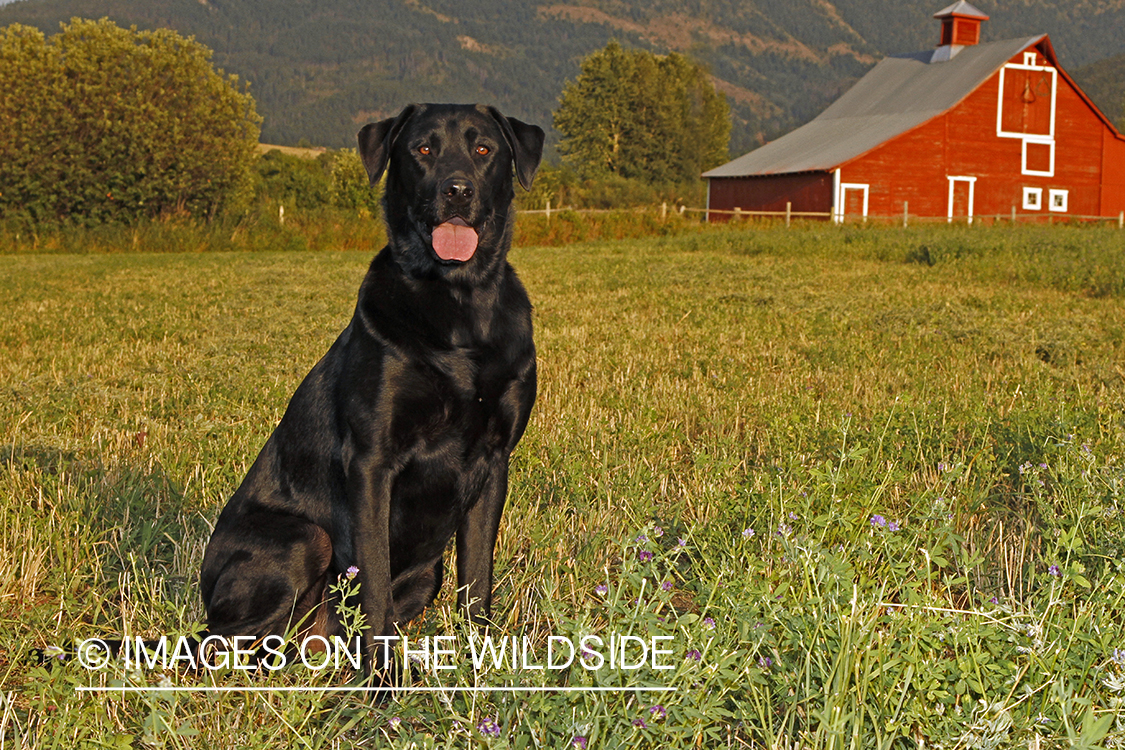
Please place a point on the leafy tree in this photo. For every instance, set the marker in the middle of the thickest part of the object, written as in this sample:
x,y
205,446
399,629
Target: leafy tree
x,y
350,185
640,115
103,123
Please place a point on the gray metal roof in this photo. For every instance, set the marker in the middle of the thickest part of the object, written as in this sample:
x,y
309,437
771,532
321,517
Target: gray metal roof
x,y
897,95
961,8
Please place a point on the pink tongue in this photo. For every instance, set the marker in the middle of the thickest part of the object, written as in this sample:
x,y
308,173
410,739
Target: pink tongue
x,y
454,242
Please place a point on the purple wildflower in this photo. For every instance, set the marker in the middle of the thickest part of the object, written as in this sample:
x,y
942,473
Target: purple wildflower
x,y
579,742
693,654
747,533
994,600
1119,657
488,727
1053,570
667,585
352,572
878,520
602,589
644,555
792,516
640,723
681,542
658,711
892,526
394,721
708,623
641,538
657,532
765,662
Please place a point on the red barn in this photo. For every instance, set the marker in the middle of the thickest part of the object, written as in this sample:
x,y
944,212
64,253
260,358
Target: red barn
x,y
964,130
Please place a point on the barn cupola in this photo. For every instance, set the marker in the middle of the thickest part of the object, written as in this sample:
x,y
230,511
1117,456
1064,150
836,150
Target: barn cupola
x,y
960,24
960,28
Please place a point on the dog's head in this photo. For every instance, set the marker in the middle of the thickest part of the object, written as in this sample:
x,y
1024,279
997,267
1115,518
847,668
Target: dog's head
x,y
449,184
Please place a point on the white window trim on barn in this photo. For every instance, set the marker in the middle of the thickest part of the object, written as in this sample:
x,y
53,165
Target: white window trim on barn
x,y
972,186
1055,193
1049,138
1034,172
842,189
837,211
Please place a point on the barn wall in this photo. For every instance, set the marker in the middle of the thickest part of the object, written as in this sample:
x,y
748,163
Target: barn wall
x,y
1113,166
962,142
808,191
910,168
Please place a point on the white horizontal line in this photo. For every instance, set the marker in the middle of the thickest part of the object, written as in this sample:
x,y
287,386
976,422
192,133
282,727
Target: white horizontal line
x,y
408,689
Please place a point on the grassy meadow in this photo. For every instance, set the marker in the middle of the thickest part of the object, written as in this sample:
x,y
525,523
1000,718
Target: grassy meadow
x,y
867,483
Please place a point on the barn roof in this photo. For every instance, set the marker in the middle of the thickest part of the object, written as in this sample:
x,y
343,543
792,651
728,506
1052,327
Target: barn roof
x,y
897,95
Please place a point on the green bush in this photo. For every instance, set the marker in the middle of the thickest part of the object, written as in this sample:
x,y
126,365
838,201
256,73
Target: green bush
x,y
335,178
563,186
102,123
350,185
293,180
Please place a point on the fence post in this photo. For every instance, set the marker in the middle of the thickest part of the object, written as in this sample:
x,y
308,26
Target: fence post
x,y
905,213
738,212
1013,215
663,211
548,210
280,213
1121,220
788,211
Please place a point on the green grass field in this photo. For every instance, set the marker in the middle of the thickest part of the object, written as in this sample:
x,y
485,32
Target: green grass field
x,y
867,482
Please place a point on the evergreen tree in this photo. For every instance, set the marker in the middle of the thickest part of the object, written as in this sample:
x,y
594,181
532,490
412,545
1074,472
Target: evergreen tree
x,y
640,115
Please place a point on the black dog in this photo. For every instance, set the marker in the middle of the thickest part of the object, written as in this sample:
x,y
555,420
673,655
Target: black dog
x,y
400,436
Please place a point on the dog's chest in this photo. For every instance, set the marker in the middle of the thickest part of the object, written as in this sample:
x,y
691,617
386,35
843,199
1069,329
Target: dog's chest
x,y
449,401
449,426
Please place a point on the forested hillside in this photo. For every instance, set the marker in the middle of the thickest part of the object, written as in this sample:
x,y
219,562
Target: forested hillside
x,y
1104,81
320,70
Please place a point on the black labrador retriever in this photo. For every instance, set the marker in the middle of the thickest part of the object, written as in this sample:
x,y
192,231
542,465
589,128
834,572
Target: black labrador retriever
x,y
399,437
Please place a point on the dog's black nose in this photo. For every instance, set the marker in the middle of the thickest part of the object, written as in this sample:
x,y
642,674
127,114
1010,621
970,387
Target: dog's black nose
x,y
457,188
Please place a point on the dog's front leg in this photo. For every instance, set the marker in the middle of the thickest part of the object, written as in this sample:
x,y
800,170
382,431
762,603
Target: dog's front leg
x,y
476,540
369,497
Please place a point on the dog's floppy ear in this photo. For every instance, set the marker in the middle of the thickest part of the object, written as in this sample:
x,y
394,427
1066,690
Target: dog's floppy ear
x,y
376,139
526,142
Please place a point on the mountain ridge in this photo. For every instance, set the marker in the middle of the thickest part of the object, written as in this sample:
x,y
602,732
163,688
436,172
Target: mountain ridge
x,y
320,69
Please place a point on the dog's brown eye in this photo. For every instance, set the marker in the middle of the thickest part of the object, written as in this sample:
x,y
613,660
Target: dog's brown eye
x,y
483,150
424,150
